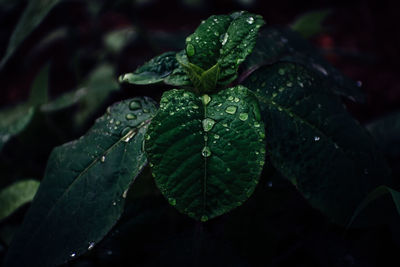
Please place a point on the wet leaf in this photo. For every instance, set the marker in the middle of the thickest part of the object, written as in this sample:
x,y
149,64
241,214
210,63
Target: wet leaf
x,y
314,142
310,23
207,152
82,194
153,71
32,16
223,42
279,44
16,195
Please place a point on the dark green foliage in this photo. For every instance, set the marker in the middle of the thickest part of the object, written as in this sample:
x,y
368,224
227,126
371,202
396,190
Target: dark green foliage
x,y
280,44
314,142
82,194
197,144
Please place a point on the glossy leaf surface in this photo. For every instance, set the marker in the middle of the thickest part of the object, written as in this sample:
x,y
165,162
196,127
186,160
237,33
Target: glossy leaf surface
x,y
314,142
207,152
82,194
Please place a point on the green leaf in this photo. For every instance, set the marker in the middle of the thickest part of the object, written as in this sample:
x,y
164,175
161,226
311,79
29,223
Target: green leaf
x,y
82,194
237,43
310,23
223,41
375,194
279,44
202,47
314,142
13,121
16,195
207,152
386,132
153,71
203,81
33,15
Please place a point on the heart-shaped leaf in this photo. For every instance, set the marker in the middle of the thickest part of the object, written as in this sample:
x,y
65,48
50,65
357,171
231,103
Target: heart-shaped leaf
x,y
82,194
207,152
314,142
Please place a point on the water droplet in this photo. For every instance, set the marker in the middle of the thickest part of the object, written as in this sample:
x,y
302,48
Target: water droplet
x,y
216,136
281,89
316,138
320,69
125,194
359,83
130,116
134,105
281,72
230,98
172,201
114,203
190,50
73,255
103,158
228,169
128,136
243,116
205,138
205,99
117,123
269,184
237,99
208,124
145,110
91,245
109,252
231,110
112,121
204,218
206,152
256,124
224,38
289,84
250,20
195,107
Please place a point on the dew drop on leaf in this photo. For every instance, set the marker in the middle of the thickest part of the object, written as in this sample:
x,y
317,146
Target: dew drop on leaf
x,y
206,99
224,38
190,50
243,116
103,159
134,105
172,201
204,218
130,116
250,20
316,138
231,110
91,245
206,152
208,124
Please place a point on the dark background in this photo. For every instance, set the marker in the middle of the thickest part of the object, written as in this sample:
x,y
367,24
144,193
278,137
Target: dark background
x,y
276,227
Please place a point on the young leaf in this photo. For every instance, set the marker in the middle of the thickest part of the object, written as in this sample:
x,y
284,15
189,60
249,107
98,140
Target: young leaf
x,y
16,195
153,71
33,15
223,42
279,44
310,23
237,43
207,152
314,142
82,194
